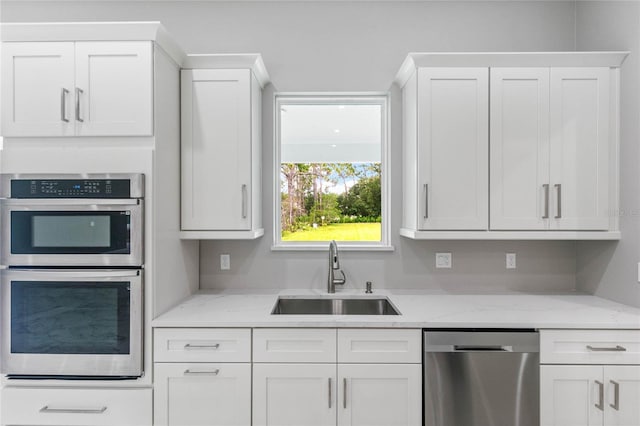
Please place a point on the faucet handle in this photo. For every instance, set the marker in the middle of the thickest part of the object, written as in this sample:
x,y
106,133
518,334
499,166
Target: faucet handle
x,y
340,281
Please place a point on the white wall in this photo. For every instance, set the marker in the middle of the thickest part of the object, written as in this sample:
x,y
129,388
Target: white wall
x,y
607,269
353,46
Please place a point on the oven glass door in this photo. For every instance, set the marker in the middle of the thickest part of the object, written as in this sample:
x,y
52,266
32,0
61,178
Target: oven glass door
x,y
84,323
72,234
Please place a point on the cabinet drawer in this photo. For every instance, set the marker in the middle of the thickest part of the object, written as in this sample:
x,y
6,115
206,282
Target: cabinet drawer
x,y
379,345
202,345
590,346
76,406
294,345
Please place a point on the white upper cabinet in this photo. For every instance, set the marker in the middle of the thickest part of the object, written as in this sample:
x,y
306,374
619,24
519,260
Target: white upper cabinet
x,y
519,153
510,145
452,145
221,148
580,148
35,102
114,88
77,88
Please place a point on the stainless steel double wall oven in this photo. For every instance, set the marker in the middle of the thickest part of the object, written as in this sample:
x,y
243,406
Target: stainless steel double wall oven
x,y
72,287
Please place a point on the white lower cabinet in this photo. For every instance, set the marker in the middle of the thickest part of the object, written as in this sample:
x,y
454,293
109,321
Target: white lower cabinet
x,y
580,383
375,380
76,406
294,394
194,394
202,376
379,395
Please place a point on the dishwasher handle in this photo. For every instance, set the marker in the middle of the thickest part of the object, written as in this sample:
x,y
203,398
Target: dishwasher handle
x,y
482,348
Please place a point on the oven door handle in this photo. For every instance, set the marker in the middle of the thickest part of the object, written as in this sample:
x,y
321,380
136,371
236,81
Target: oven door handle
x,y
71,202
79,273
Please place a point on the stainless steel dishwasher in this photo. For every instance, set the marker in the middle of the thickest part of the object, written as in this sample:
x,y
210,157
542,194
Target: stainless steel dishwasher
x,y
481,378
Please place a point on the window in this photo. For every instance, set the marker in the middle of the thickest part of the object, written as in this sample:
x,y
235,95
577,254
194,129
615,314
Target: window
x,y
331,180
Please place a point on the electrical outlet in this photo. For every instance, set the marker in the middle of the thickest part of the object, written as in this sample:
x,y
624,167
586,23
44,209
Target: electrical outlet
x,y
511,261
225,262
443,260
639,272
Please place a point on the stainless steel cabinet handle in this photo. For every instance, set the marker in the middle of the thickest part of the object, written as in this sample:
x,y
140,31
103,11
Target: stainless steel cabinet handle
x,y
616,395
600,404
616,348
189,372
344,393
195,346
559,199
546,201
78,115
244,201
47,409
63,105
426,200
329,392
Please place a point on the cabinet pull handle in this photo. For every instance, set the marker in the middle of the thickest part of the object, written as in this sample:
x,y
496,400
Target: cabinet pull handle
x,y
600,404
559,199
78,115
189,372
344,393
47,409
194,346
426,200
617,348
244,201
616,395
329,392
546,201
63,105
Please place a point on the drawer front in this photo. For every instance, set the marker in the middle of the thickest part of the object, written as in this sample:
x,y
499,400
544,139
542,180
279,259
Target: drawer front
x,y
202,345
76,406
397,346
590,346
294,345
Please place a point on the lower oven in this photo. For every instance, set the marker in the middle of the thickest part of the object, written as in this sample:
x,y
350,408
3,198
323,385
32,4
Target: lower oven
x,y
74,323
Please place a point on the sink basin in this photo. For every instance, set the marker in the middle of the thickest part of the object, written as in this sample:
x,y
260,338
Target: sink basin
x,y
297,306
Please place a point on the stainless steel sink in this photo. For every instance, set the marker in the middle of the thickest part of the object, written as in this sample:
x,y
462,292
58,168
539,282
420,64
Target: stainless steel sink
x,y
297,306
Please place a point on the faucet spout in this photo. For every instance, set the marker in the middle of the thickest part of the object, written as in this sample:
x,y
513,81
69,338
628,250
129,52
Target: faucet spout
x,y
334,265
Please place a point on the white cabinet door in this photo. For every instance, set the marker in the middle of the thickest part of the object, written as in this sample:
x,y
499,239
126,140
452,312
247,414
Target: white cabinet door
x,y
379,395
453,171
202,394
216,149
114,88
569,394
579,123
294,395
519,148
37,89
622,404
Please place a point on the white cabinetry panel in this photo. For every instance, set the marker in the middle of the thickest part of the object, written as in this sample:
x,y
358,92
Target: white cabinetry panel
x,y
453,133
76,406
37,89
216,149
116,80
379,395
519,148
202,394
580,148
569,394
622,395
294,394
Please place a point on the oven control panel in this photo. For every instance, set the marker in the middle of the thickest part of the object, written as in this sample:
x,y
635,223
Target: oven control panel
x,y
70,188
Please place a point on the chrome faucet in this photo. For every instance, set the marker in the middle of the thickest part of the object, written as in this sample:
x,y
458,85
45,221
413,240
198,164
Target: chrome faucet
x,y
334,265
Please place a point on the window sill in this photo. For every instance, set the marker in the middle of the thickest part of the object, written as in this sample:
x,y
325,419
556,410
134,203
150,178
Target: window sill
x,y
325,246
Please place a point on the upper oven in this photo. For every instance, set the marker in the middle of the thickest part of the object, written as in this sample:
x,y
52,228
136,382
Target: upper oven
x,y
72,220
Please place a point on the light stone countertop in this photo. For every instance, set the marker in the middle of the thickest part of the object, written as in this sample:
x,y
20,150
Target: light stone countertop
x,y
419,309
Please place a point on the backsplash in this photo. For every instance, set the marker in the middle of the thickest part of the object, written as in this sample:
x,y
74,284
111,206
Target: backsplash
x,y
478,266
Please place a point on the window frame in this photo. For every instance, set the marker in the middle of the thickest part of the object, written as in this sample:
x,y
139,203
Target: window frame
x,y
334,98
